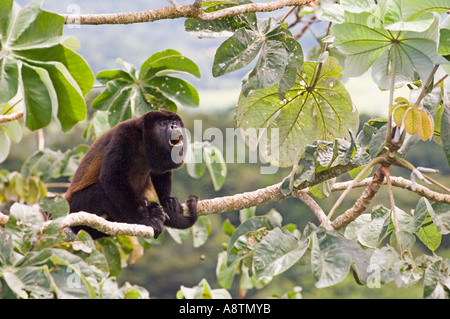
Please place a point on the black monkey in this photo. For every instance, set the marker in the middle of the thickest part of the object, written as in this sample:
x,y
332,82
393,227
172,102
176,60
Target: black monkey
x,y
126,164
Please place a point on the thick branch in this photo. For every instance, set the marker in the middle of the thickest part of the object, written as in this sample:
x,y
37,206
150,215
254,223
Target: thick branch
x,y
107,227
173,12
261,196
265,195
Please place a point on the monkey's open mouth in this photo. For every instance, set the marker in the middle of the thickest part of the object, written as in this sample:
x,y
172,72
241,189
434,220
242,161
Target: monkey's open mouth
x,y
176,139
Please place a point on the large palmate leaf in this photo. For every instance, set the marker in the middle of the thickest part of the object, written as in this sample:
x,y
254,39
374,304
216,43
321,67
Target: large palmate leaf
x,y
279,54
372,38
39,64
317,107
130,93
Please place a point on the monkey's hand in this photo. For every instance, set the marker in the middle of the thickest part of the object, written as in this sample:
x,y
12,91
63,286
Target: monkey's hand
x,y
155,218
174,209
191,203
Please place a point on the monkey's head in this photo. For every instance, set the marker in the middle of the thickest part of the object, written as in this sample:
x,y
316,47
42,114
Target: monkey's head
x,y
164,139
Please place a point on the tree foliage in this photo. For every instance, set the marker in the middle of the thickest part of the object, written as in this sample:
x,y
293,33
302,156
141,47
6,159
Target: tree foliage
x,y
402,42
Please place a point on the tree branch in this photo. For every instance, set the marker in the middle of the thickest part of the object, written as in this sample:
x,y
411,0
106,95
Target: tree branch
x,y
107,227
11,117
362,203
265,195
312,204
172,12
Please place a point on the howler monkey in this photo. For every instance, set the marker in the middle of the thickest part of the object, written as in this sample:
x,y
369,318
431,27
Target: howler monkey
x,y
127,163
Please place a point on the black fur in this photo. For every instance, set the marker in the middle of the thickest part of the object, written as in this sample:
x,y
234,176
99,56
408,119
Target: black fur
x,y
122,166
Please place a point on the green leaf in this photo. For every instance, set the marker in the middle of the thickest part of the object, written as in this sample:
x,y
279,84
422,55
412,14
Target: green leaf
x,y
5,144
293,65
14,283
415,8
38,91
33,25
429,235
112,254
194,160
74,278
167,62
120,110
444,39
13,130
56,206
371,229
445,132
216,165
202,291
201,230
9,76
54,78
225,275
441,217
177,90
330,258
237,51
250,225
269,67
74,63
277,252
386,264
366,42
322,190
129,93
46,164
24,222
179,235
317,107
109,75
113,89
436,282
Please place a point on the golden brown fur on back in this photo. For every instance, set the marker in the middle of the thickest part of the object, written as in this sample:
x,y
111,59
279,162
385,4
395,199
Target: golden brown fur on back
x,y
89,170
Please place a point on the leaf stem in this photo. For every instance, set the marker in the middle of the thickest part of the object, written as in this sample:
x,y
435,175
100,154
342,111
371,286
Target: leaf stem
x,y
394,212
405,164
426,85
391,94
373,162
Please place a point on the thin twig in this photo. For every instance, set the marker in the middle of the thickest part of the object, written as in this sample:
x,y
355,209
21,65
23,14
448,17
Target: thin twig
x,y
423,92
373,162
440,81
391,96
305,27
11,117
362,203
288,14
405,164
312,204
393,209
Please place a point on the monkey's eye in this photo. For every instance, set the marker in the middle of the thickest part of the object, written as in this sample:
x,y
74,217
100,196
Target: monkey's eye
x,y
164,123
